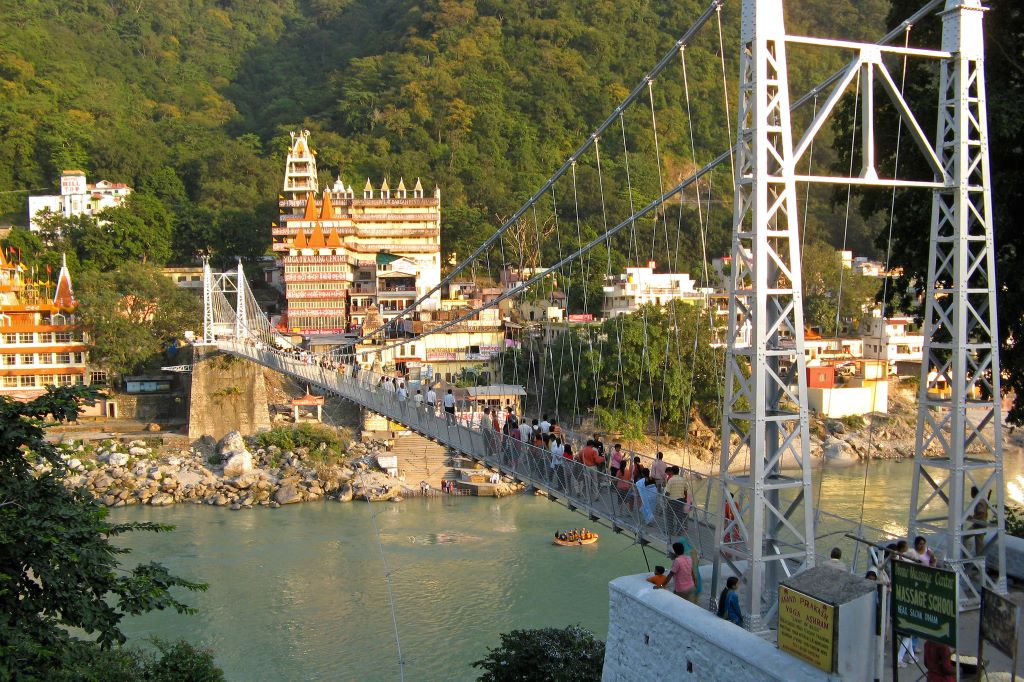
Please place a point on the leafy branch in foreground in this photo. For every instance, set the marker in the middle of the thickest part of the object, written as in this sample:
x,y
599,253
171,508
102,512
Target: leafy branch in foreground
x,y
58,568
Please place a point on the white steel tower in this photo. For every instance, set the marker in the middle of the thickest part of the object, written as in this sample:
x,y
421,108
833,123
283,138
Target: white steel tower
x,y
768,518
963,424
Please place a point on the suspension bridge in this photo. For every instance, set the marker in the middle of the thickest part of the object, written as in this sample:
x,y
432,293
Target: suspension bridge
x,y
757,517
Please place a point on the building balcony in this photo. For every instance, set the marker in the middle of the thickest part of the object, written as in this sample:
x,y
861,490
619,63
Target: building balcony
x,y
392,292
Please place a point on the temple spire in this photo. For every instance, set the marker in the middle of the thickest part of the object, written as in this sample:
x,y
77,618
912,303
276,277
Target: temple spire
x,y
64,296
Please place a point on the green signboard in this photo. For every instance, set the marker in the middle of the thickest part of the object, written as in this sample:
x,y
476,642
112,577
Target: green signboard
x,y
924,602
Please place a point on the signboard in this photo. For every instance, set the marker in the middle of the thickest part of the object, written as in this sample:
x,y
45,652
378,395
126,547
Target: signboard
x,y
999,622
581,317
807,628
924,602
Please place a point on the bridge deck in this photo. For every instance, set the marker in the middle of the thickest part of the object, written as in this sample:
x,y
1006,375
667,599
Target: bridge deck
x,y
655,519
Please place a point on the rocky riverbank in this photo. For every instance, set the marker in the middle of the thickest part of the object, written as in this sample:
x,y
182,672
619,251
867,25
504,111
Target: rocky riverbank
x,y
235,472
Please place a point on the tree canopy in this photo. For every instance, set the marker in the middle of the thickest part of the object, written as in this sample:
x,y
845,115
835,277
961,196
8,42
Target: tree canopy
x,y
132,315
569,654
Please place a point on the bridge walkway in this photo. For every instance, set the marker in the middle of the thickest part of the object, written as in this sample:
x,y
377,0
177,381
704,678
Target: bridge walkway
x,y
649,517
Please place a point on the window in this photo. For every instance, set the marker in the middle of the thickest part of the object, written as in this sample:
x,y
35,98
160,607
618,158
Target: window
x,y
10,338
98,378
63,337
46,337
10,382
28,359
10,359
25,337
63,358
26,381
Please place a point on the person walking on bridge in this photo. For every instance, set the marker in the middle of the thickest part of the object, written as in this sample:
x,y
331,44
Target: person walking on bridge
x,y
591,459
556,463
449,405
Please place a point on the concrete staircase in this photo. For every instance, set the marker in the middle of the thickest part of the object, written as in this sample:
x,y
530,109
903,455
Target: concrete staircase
x,y
422,460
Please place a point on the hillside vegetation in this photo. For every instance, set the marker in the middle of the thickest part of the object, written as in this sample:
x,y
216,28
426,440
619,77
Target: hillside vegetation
x,y
190,102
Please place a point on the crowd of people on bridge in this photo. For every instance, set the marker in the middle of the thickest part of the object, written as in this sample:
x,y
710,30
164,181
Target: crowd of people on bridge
x,y
639,490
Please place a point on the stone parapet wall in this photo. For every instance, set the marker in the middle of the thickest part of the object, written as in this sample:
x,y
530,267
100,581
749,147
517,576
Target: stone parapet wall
x,y
655,635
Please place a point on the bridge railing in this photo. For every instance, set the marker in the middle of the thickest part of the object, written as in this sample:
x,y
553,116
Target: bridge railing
x,y
642,511
646,514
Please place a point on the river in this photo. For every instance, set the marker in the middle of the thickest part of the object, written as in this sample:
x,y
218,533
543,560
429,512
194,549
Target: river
x,y
299,593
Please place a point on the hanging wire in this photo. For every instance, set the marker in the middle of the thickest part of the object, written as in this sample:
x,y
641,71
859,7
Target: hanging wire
x,y
725,88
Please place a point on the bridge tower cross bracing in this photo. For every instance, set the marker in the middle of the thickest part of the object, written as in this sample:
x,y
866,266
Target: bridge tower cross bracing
x,y
209,336
241,318
960,327
770,521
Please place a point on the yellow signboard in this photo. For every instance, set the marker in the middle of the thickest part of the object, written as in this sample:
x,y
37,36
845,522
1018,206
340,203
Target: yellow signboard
x,y
807,628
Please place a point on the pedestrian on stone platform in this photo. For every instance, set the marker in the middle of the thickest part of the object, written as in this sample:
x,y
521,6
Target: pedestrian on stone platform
x,y
681,577
729,602
835,560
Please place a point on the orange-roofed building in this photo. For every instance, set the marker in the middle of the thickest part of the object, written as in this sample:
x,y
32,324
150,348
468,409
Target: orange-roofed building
x,y
40,345
341,253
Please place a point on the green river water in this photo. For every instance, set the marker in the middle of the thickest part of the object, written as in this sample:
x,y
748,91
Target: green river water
x,y
299,593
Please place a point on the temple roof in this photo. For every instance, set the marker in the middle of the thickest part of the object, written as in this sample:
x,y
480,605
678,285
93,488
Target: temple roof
x,y
300,240
316,240
326,209
333,240
310,213
64,296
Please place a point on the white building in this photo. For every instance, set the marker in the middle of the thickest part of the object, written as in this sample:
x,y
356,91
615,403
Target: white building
x,y
889,339
625,293
77,197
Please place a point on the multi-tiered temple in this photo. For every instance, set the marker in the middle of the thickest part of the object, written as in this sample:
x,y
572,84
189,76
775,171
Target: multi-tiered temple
x,y
345,255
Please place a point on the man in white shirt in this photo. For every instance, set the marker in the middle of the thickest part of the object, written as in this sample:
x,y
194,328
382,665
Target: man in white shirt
x,y
418,398
449,402
403,392
545,425
431,397
525,432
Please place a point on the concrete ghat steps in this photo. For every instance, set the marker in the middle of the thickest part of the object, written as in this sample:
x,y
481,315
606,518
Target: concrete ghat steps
x,y
422,460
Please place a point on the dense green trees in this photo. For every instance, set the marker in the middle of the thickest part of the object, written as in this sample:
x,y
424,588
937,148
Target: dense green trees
x,y
132,314
191,104
655,364
59,569
569,654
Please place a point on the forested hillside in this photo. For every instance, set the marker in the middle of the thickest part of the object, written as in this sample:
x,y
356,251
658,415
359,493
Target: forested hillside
x,y
190,102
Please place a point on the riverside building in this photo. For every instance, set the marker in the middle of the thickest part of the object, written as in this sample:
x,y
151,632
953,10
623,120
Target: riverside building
x,y
77,197
344,255
39,343
625,293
